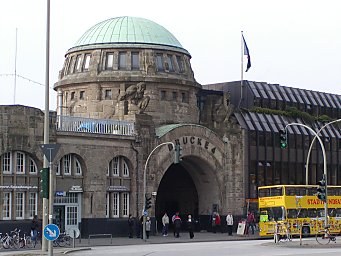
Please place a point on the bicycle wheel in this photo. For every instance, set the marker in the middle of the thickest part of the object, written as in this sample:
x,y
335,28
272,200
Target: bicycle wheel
x,y
67,240
29,243
322,237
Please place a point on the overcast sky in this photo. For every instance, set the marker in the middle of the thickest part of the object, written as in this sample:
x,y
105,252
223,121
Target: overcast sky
x,y
292,43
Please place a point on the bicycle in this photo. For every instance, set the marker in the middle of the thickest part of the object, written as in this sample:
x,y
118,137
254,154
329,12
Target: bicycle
x,y
62,240
279,236
324,236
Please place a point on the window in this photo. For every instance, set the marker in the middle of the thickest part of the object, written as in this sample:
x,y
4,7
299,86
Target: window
x,y
180,64
184,97
163,95
170,63
114,168
32,166
122,61
125,169
69,68
67,164
19,205
71,213
135,61
116,205
20,160
109,61
81,95
174,95
78,167
72,95
32,204
108,94
159,62
125,210
78,63
6,162
87,61
6,206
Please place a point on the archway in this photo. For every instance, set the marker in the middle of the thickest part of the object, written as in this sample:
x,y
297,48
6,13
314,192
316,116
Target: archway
x,y
190,187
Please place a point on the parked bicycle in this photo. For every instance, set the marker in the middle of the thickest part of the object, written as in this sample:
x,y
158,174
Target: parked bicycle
x,y
63,240
324,236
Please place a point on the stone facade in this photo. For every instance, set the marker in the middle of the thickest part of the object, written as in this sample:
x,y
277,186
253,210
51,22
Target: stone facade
x,y
100,175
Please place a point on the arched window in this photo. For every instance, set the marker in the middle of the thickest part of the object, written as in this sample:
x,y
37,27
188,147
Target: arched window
x,y
115,166
17,162
69,165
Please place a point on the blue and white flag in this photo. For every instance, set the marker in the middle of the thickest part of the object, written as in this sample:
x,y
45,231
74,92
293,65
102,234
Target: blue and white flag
x,y
247,53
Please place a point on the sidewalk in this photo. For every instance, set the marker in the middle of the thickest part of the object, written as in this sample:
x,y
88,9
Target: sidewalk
x,y
86,244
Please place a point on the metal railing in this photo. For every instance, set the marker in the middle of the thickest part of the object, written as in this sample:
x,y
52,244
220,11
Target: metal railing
x,y
90,125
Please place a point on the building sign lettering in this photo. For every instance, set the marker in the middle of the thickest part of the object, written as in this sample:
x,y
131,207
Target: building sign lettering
x,y
118,188
18,187
194,141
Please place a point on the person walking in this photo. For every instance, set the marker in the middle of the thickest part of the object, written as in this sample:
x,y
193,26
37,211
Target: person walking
x,y
131,225
190,226
218,223
250,221
173,219
213,222
34,229
229,223
177,225
165,223
148,227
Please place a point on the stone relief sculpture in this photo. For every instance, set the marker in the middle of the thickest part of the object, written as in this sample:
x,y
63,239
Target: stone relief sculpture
x,y
135,95
223,111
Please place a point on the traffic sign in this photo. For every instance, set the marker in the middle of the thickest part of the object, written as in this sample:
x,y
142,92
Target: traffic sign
x,y
50,151
51,232
73,232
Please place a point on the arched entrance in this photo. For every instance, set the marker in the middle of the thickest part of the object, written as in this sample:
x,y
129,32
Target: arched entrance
x,y
190,187
177,192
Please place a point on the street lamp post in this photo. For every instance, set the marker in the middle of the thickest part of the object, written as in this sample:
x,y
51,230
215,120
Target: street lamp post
x,y
324,166
311,146
145,185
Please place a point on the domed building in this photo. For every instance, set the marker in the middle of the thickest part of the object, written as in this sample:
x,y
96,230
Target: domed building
x,y
134,126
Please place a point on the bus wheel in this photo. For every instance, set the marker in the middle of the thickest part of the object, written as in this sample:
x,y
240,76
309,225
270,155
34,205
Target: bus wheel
x,y
305,231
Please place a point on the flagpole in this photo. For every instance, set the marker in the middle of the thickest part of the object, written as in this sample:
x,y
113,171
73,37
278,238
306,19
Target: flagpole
x,y
242,69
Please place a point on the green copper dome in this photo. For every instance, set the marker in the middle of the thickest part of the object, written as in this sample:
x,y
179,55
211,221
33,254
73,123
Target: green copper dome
x,y
128,30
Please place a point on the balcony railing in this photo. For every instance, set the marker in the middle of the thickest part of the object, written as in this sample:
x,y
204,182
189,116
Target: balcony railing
x,y
99,126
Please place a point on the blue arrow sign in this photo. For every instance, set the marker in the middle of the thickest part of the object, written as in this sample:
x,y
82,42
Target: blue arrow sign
x,y
51,232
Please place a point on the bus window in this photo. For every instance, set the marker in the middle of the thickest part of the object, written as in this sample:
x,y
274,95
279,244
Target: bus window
x,y
302,213
275,213
338,212
275,191
292,213
312,213
263,216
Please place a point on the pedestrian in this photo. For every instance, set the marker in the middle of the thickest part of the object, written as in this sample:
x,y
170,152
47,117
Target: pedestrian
x,y
229,223
173,219
34,229
131,225
213,222
218,222
177,225
148,227
138,227
250,221
165,223
190,226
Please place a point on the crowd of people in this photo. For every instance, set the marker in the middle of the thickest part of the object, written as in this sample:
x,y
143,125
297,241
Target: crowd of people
x,y
178,222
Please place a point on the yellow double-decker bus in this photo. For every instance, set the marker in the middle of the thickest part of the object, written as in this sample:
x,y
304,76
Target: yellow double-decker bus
x,y
295,207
